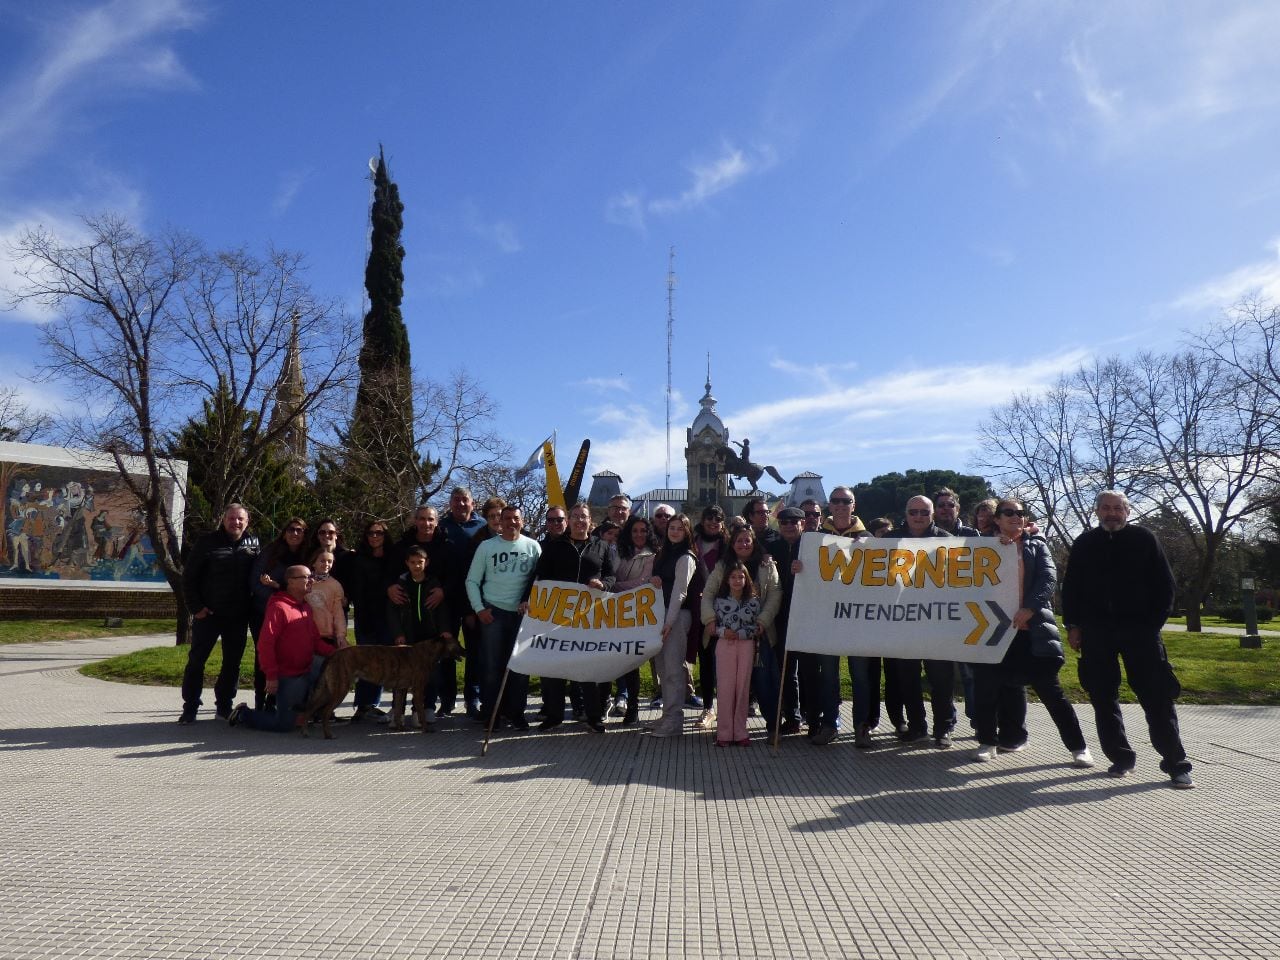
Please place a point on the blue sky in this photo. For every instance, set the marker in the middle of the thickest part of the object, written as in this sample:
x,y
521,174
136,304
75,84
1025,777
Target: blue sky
x,y
887,217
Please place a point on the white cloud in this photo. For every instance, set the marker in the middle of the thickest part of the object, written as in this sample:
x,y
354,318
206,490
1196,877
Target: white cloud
x,y
17,374
499,233
917,416
638,451
454,283
923,395
729,168
616,384
1142,75
112,47
627,210
1104,102
1261,277
103,192
65,227
290,185
708,178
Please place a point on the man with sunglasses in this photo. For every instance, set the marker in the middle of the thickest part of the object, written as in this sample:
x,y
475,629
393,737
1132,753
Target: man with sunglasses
x,y
822,673
811,511
292,653
941,673
555,525
785,552
843,522
946,514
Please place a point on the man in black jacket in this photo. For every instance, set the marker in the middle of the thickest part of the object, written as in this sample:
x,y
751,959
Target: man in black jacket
x,y
1116,595
576,557
215,582
428,534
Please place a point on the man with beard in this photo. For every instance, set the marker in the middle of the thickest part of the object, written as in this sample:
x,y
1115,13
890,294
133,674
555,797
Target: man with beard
x,y
1117,594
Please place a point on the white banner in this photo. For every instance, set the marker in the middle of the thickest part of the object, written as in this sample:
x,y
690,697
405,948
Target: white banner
x,y
577,633
930,598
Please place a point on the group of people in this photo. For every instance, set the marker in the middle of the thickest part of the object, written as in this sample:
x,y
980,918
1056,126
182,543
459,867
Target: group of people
x,y
726,586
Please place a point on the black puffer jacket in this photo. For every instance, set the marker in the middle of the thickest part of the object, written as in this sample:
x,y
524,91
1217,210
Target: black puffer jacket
x,y
217,575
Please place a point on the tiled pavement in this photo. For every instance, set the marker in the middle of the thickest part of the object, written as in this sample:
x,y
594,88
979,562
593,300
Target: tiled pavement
x,y
123,834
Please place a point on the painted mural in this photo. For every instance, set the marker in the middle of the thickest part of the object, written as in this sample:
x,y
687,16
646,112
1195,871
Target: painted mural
x,y
72,524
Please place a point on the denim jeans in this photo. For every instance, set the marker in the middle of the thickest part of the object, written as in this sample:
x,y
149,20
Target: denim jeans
x,y
865,706
377,633
766,676
497,640
291,692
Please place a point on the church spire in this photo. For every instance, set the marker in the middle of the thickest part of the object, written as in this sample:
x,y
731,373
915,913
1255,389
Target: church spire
x,y
291,393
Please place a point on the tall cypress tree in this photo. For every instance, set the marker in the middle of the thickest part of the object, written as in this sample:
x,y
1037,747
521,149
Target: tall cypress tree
x,y
383,416
379,473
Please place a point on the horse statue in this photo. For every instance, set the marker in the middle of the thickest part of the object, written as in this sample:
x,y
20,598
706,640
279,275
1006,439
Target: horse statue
x,y
740,465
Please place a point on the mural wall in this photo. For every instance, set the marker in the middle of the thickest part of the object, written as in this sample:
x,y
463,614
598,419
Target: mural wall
x,y
69,520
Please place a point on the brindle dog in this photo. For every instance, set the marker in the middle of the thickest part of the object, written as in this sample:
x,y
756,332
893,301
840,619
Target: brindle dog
x,y
398,668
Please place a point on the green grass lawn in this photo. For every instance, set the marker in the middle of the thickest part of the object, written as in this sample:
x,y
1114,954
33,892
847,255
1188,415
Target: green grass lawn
x,y
1212,669
32,631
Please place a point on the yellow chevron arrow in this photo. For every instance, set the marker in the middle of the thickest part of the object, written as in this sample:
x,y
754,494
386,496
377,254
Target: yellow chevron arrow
x,y
976,634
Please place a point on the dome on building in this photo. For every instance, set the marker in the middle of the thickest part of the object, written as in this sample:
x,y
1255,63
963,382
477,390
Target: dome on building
x,y
707,418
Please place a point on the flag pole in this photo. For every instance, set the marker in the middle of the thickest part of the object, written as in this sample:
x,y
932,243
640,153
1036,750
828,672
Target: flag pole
x,y
493,718
777,718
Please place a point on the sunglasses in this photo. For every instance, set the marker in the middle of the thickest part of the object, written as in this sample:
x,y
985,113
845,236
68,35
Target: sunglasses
x,y
295,529
376,533
918,513
841,501
1006,512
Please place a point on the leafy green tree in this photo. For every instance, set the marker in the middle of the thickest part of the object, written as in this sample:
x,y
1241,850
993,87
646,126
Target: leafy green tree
x,y
887,494
269,486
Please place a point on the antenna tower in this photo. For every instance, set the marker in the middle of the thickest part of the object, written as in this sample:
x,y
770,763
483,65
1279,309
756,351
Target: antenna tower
x,y
671,321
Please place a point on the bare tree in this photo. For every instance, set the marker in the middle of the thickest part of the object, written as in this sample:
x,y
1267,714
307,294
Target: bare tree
x,y
19,423
148,327
453,437
1210,437
1058,449
528,492
240,320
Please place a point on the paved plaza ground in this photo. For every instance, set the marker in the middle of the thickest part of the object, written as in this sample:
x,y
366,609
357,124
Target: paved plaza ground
x,y
124,834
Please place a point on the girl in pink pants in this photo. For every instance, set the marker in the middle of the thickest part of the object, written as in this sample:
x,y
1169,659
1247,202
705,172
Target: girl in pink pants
x,y
737,610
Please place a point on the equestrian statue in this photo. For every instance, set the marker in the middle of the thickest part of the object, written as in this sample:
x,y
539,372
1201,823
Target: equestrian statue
x,y
740,465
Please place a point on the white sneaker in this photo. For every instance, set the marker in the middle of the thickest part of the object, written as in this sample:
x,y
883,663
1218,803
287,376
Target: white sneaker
x,y
1081,758
985,752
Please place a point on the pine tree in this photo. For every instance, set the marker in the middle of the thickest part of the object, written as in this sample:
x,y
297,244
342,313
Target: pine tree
x,y
271,490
